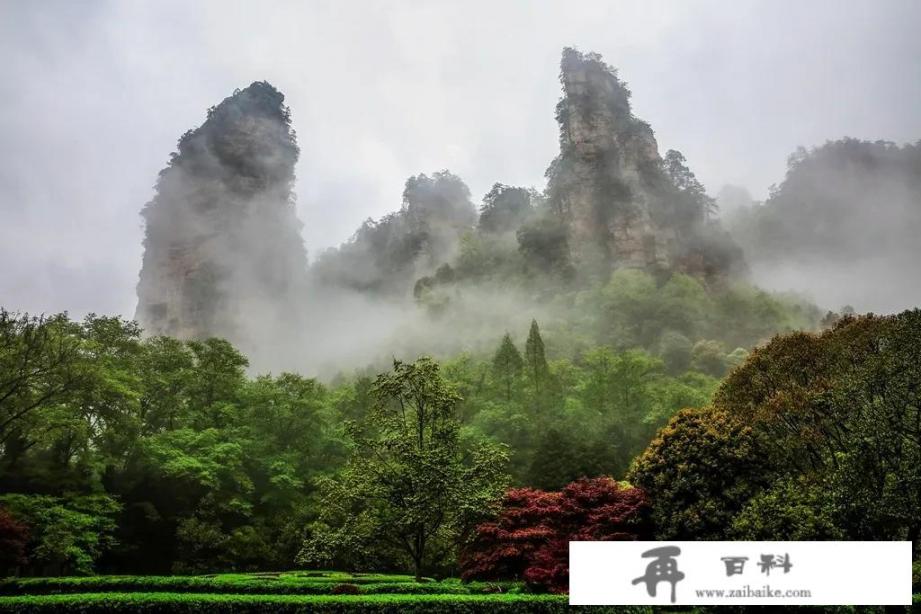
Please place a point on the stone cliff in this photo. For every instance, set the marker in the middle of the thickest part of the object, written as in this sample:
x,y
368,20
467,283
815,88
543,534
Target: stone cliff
x,y
222,247
609,184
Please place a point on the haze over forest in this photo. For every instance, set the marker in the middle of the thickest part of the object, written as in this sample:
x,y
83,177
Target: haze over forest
x,y
370,110
438,87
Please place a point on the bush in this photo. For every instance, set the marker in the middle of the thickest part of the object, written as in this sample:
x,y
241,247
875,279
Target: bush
x,y
700,471
67,534
793,510
529,539
379,604
303,583
14,537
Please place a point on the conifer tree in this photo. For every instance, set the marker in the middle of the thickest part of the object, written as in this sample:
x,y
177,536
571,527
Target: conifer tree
x,y
535,361
507,364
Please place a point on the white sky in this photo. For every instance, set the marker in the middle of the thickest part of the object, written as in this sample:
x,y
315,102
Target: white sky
x,y
94,95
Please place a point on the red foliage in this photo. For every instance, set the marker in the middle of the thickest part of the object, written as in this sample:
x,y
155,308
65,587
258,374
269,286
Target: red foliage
x,y
530,538
14,536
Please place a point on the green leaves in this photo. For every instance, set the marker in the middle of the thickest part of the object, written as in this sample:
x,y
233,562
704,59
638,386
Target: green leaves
x,y
812,437
409,490
67,533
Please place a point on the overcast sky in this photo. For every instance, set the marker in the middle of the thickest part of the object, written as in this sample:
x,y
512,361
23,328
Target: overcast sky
x,y
94,95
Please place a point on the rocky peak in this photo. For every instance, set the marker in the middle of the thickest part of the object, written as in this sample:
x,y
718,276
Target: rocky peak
x,y
222,238
602,181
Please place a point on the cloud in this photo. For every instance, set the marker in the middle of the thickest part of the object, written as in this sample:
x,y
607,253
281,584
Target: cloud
x,y
94,95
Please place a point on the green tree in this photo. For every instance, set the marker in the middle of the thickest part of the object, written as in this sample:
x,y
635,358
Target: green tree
x,y
700,471
675,351
504,209
791,509
833,416
697,206
67,534
536,362
39,367
708,357
507,365
410,490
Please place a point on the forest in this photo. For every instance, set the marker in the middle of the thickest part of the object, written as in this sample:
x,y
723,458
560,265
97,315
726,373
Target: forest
x,y
590,361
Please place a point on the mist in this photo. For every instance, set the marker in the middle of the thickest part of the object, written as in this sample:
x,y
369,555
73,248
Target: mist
x,y
841,227
95,98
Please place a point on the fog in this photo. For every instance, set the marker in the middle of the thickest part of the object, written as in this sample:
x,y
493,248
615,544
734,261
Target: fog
x,y
93,97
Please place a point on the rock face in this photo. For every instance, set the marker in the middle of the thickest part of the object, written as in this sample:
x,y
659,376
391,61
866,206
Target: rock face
x,y
222,248
607,183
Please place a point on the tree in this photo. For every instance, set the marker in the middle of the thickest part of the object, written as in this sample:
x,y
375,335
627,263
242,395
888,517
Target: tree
x,y
67,534
544,245
675,351
792,509
507,365
410,487
708,357
14,537
700,471
38,366
697,206
529,538
536,362
834,417
560,456
504,209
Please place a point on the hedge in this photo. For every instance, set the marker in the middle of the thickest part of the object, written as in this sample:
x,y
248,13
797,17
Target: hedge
x,y
326,604
287,584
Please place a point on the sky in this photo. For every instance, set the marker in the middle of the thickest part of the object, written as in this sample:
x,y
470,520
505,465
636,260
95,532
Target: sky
x,y
95,94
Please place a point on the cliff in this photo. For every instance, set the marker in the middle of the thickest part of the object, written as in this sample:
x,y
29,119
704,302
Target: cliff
x,y
622,204
222,247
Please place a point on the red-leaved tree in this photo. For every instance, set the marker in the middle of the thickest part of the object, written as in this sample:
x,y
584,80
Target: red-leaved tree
x,y
14,537
530,538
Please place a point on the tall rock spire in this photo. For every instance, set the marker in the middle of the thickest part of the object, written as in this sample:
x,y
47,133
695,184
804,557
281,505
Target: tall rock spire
x,y
604,181
222,247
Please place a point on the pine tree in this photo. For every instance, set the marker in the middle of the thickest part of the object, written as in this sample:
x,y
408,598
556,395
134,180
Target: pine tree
x,y
535,361
507,364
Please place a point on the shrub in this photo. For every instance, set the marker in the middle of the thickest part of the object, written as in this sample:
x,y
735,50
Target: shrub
x,y
67,534
14,536
700,471
529,539
252,604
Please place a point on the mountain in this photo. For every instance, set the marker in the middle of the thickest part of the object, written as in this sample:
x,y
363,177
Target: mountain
x,y
222,245
622,204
